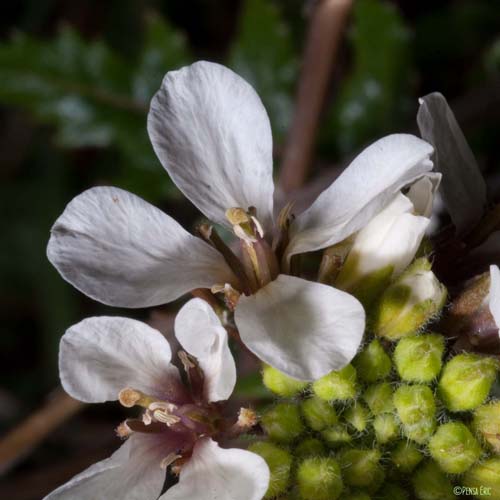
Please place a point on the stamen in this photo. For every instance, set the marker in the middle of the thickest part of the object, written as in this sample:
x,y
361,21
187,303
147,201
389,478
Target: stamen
x,y
169,459
237,216
186,362
123,431
231,296
194,374
210,235
129,397
147,417
166,418
162,413
247,418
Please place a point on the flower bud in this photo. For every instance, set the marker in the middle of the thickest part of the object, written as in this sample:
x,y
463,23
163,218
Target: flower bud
x,y
279,462
281,384
430,483
310,447
358,495
409,303
357,416
379,398
485,476
361,468
373,363
470,319
486,423
392,491
418,357
466,381
386,427
318,413
337,385
282,423
319,479
382,249
416,411
454,448
406,456
336,435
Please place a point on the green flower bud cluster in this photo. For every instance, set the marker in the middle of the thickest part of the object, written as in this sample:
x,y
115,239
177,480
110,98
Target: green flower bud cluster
x,y
396,423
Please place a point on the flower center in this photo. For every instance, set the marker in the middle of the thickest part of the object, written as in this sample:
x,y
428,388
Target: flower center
x,y
184,422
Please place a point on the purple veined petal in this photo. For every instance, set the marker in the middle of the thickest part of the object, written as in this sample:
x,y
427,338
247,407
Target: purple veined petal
x,y
120,250
133,472
200,333
303,329
212,134
463,187
215,473
365,187
100,356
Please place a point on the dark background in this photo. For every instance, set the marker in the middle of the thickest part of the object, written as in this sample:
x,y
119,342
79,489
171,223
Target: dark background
x,y
75,82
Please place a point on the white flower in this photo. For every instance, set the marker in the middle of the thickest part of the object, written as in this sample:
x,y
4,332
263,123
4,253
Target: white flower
x,y
212,135
392,238
109,358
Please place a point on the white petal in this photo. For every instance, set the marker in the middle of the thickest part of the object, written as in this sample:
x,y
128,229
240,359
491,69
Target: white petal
x,y
200,332
215,473
367,185
463,187
118,249
494,299
99,357
422,193
133,472
391,238
303,329
212,134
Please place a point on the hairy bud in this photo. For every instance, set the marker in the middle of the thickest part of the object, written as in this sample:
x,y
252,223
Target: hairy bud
x,y
409,303
373,363
418,357
361,468
281,384
337,385
485,476
379,398
282,423
417,411
318,413
319,479
279,462
430,483
466,381
454,448
486,423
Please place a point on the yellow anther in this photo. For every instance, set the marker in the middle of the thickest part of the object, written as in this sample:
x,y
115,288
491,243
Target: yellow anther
x,y
237,216
247,418
129,397
123,430
161,412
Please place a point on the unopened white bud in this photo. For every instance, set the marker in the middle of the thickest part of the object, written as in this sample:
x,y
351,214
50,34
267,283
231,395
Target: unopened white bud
x,y
383,249
409,303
